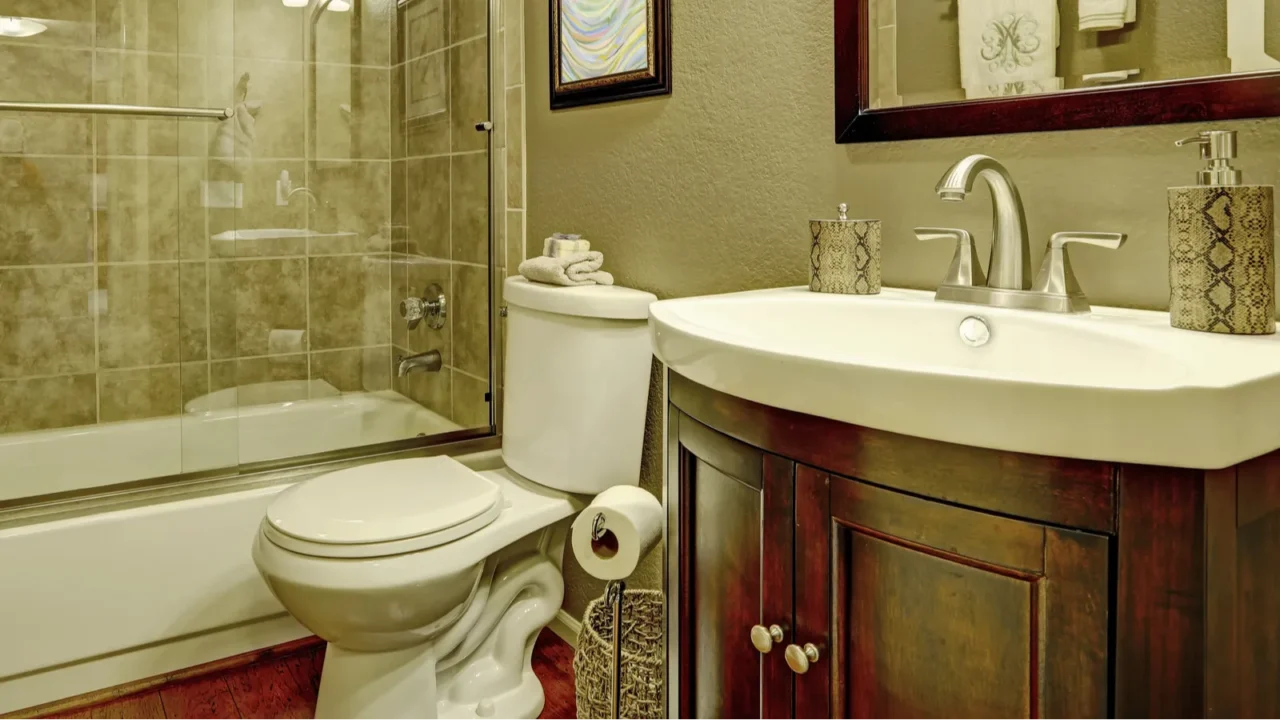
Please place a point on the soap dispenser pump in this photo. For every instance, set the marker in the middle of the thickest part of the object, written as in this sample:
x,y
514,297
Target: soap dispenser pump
x,y
1221,246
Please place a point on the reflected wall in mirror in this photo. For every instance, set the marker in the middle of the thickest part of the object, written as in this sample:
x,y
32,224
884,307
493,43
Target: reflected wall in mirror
x,y
1080,63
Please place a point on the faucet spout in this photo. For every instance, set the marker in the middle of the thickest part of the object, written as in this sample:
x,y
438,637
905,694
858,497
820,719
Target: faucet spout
x,y
429,361
1010,264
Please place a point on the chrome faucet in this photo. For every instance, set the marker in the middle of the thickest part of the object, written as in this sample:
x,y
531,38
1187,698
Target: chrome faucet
x,y
429,361
1010,264
1007,282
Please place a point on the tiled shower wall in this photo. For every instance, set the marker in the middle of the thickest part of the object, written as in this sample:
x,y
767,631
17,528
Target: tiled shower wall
x,y
115,301
441,188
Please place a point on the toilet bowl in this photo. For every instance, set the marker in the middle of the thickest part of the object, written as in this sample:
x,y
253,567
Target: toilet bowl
x,y
431,581
454,609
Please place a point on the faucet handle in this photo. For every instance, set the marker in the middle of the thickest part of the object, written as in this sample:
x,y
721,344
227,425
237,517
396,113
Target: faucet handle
x,y
1056,277
1110,241
966,269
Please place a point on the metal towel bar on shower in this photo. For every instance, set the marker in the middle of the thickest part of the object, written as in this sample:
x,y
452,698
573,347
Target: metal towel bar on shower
x,y
100,109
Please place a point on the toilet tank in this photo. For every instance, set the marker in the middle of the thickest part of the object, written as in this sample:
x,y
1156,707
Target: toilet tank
x,y
577,384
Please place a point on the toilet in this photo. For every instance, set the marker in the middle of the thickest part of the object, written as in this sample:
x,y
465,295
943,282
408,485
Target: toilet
x,y
430,581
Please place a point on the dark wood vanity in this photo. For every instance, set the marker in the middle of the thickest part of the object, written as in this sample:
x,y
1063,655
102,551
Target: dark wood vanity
x,y
939,580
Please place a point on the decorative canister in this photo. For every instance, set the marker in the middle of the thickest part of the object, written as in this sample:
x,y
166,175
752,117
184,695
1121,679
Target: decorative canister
x,y
845,255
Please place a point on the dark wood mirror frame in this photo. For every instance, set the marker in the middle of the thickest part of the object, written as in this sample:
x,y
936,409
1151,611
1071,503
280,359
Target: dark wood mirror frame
x,y
1224,97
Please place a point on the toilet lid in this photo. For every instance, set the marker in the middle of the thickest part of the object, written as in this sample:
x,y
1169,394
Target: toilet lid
x,y
387,502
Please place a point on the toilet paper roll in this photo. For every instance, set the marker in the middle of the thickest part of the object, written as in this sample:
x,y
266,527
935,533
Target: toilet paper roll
x,y
614,533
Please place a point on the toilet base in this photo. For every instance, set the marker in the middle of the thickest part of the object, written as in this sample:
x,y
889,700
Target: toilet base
x,y
402,684
481,667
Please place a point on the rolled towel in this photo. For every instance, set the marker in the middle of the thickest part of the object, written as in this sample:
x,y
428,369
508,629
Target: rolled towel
x,y
571,271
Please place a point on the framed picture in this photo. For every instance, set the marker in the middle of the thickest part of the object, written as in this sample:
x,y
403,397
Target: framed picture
x,y
606,50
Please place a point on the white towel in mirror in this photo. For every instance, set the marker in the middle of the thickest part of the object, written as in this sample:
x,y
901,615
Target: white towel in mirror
x,y
1008,44
1099,15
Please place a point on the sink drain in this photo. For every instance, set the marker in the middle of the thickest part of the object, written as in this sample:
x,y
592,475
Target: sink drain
x,y
974,331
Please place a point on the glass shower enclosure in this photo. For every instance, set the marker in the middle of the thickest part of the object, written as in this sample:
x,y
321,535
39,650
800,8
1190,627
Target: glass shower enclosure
x,y
212,216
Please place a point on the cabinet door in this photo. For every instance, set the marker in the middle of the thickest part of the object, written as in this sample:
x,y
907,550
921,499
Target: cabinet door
x,y
924,609
735,520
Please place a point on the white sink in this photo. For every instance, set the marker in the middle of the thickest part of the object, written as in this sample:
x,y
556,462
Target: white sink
x,y
1118,385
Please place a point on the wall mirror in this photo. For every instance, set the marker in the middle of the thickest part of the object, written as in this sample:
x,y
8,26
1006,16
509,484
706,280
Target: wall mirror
x,y
908,69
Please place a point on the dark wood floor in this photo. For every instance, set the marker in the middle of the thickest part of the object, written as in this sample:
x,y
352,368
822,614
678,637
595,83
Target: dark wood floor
x,y
286,687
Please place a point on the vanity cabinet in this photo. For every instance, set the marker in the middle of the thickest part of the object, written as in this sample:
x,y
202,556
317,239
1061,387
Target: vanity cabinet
x,y
908,577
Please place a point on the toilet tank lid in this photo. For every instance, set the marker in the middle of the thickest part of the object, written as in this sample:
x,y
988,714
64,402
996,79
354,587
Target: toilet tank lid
x,y
598,301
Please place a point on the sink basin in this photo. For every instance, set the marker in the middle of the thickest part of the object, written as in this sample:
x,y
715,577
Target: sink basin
x,y
1116,385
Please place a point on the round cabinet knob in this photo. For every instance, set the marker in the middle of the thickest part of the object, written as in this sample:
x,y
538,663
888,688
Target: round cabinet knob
x,y
764,638
799,659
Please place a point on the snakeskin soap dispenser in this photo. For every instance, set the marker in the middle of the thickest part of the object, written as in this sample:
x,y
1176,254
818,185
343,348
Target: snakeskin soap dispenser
x,y
1222,275
844,257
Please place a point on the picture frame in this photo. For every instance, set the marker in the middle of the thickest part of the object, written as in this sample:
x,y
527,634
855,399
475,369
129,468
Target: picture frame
x,y
637,65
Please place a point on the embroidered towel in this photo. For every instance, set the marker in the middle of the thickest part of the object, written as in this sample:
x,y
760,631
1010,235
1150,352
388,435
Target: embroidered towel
x,y
1099,15
1007,42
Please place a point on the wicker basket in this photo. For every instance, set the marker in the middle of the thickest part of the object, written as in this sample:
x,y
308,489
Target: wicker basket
x,y
643,661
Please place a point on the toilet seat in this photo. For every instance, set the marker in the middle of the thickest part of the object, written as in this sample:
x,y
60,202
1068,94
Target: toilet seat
x,y
383,509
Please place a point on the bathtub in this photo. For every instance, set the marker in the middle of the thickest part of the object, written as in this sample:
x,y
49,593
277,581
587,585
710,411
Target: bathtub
x,y
222,430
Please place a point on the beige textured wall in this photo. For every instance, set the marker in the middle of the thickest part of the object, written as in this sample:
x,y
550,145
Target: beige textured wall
x,y
709,190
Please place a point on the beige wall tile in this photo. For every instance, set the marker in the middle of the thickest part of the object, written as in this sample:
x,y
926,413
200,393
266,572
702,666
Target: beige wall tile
x,y
428,187
398,148
135,78
424,27
138,394
468,94
45,325
425,107
420,274
194,381
352,112
433,391
513,42
470,213
280,126
39,74
515,241
150,25
468,19
140,325
399,205
268,295
470,409
46,403
360,36
44,212
193,311
355,198
349,297
193,218
268,29
471,319
515,148
399,291
251,371
137,219
354,370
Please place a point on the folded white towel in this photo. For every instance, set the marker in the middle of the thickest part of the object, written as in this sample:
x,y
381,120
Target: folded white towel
x,y
1098,15
571,270
1007,41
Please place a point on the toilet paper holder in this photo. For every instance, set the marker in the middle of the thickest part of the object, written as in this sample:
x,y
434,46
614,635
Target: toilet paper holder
x,y
605,544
